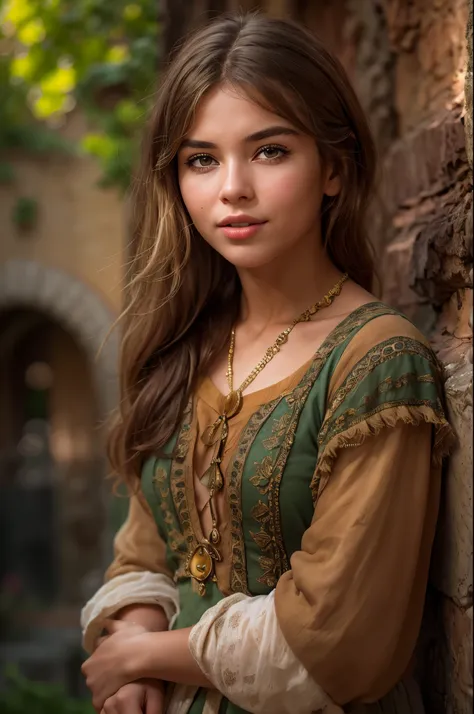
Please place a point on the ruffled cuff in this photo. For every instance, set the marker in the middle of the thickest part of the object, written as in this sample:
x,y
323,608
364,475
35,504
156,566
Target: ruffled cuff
x,y
138,588
240,648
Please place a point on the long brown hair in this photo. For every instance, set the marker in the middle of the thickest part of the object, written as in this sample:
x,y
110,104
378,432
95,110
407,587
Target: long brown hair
x,y
183,297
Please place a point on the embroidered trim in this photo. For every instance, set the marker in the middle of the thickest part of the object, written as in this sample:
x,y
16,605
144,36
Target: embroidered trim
x,y
269,472
274,559
379,354
386,415
174,537
178,486
234,473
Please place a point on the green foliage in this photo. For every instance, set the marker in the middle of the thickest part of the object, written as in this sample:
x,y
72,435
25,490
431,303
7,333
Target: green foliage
x,y
25,212
100,56
20,695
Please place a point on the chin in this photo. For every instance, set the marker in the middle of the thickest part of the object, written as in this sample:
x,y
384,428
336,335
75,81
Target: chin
x,y
249,257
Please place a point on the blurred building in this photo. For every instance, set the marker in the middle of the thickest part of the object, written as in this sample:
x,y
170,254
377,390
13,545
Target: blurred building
x,y
60,290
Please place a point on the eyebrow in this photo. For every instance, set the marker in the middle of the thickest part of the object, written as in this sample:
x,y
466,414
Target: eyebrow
x,y
257,136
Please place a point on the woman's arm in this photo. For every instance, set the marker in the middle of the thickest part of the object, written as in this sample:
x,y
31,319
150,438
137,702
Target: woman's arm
x,y
128,654
151,617
138,577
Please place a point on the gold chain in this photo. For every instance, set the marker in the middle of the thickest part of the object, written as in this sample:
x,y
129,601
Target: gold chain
x,y
200,561
274,349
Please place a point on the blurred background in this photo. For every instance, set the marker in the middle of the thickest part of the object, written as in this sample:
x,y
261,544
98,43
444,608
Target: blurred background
x,y
77,78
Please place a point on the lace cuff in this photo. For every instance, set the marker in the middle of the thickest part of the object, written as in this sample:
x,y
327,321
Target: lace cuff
x,y
240,648
138,588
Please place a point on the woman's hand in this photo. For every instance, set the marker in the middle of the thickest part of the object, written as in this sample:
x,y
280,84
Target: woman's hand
x,y
147,696
112,665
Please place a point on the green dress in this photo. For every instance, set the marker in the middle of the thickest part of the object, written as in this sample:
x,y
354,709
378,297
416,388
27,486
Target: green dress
x,y
283,450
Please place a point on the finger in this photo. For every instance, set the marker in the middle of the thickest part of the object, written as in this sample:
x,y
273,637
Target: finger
x,y
154,702
128,705
110,706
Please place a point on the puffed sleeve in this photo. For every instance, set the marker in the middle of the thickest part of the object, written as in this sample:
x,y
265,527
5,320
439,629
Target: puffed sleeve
x,y
351,605
138,575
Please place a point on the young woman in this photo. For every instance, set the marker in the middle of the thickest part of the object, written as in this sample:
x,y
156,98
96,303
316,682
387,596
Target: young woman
x,y
280,429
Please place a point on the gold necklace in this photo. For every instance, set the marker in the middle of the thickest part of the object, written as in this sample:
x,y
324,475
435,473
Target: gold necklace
x,y
200,561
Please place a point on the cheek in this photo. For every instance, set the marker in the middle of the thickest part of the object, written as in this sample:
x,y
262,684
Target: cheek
x,y
197,195
294,193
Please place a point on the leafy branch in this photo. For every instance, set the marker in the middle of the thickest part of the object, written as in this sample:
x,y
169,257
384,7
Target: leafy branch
x,y
56,55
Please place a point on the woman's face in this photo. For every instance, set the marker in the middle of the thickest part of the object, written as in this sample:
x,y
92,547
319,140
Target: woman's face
x,y
242,164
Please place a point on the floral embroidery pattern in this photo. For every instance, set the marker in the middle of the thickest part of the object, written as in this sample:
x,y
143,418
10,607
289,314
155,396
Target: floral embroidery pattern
x,y
178,485
278,431
377,356
175,539
274,560
238,578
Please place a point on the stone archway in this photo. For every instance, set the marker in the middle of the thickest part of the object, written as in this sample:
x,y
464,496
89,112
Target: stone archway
x,y
73,304
83,314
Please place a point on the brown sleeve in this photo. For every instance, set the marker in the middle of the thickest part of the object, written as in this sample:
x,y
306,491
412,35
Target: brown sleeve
x,y
350,607
138,546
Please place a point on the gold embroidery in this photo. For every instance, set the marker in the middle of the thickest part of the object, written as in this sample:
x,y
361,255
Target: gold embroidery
x,y
410,411
238,579
174,537
229,677
278,430
261,513
234,620
178,485
220,622
368,407
376,356
267,478
263,474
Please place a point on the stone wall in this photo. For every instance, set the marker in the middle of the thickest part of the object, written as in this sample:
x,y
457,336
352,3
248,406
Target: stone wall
x,y
424,219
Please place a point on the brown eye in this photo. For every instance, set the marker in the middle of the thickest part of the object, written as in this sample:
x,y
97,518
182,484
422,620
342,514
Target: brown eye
x,y
202,161
272,153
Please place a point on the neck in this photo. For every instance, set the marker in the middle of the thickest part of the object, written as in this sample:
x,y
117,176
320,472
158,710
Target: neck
x,y
283,289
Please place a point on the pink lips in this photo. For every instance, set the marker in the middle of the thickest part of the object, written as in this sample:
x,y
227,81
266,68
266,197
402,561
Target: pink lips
x,y
240,232
243,232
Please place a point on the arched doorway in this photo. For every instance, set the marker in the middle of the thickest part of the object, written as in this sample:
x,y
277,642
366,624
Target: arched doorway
x,y
51,463
57,385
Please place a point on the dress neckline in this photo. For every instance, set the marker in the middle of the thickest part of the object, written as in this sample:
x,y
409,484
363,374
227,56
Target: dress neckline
x,y
213,396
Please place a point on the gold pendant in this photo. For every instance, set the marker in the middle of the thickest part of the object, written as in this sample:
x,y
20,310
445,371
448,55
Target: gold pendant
x,y
200,564
215,432
213,477
233,403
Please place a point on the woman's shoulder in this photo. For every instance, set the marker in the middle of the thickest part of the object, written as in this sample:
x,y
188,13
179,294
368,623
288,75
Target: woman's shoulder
x,y
388,341
386,324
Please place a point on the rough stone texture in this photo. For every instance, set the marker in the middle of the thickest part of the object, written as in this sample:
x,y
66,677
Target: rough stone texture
x,y
427,273
428,37
373,72
468,88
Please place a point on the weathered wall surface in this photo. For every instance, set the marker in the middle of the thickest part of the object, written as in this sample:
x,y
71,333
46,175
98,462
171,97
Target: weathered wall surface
x,y
424,131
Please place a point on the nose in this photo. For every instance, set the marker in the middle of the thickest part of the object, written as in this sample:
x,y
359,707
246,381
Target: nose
x,y
237,184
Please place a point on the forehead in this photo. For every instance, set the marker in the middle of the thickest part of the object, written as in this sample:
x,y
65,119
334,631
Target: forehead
x,y
227,112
